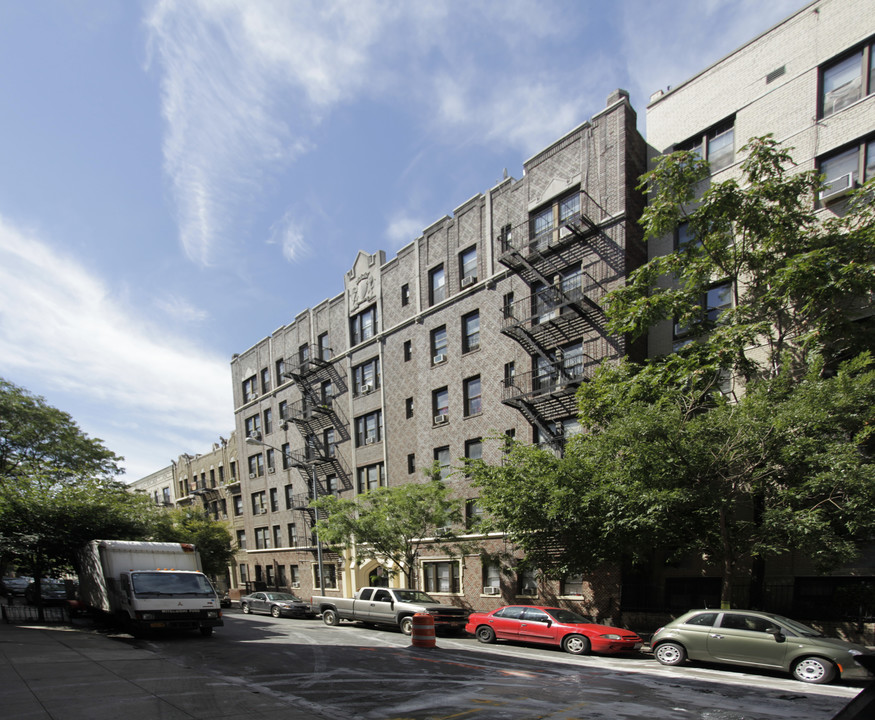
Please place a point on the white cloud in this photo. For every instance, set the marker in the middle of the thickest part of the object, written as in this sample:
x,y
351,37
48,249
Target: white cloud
x,y
60,325
404,229
289,235
179,308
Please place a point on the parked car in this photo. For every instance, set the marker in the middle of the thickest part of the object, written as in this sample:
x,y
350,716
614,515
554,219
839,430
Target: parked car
x,y
225,601
54,592
758,639
575,633
277,604
13,586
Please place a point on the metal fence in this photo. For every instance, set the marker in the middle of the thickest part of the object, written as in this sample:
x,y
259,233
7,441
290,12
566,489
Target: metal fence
x,y
19,614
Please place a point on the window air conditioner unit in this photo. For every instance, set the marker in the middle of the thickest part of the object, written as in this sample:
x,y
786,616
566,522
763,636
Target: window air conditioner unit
x,y
263,511
251,476
437,359
441,419
837,188
564,232
489,590
271,470
470,280
365,389
370,440
296,585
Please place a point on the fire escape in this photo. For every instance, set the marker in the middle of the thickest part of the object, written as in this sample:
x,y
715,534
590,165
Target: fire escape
x,y
560,310
318,418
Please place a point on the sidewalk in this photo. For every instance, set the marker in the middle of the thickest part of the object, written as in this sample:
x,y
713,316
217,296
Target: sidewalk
x,y
69,673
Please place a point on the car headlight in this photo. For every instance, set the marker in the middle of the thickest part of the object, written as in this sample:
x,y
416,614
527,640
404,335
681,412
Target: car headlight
x,y
854,652
611,636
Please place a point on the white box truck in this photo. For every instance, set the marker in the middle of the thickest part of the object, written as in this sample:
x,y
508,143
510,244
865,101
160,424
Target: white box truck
x,y
149,585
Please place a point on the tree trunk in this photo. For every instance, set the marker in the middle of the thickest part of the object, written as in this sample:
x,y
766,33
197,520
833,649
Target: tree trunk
x,y
727,562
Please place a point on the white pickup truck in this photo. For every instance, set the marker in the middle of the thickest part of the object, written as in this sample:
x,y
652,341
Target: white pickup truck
x,y
390,606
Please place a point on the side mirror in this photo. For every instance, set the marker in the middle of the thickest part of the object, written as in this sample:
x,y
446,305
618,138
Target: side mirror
x,y
549,622
777,633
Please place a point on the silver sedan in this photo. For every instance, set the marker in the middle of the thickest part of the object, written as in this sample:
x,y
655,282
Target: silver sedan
x,y
278,604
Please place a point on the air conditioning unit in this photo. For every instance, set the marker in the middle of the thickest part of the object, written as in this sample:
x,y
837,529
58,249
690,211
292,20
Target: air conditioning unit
x,y
489,590
564,232
468,281
837,188
271,470
251,476
437,359
441,419
263,511
296,585
473,346
370,440
366,389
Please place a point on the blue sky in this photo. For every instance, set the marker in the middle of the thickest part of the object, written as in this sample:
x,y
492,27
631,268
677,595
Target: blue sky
x,y
179,178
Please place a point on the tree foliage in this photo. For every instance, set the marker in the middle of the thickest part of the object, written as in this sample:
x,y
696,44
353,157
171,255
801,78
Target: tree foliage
x,y
388,522
57,487
193,525
666,461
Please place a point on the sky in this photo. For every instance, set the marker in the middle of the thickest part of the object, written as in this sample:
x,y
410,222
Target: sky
x,y
180,178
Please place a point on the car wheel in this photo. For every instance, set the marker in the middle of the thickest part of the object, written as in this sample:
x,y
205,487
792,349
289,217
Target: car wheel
x,y
814,670
406,625
669,653
575,644
485,634
206,631
246,609
275,611
329,617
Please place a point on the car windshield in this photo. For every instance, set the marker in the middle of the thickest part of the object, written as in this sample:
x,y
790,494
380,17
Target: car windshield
x,y
415,596
798,627
567,616
283,597
157,584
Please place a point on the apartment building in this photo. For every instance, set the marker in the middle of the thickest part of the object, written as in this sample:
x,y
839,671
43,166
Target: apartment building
x,y
160,486
481,327
809,81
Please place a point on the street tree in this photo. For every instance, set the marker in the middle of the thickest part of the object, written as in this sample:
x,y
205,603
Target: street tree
x,y
193,525
57,487
667,460
388,523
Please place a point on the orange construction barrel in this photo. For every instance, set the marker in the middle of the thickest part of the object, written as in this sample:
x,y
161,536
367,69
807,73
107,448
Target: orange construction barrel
x,y
423,631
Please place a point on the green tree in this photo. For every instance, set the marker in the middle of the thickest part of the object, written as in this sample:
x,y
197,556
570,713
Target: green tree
x,y
57,487
389,522
193,525
666,461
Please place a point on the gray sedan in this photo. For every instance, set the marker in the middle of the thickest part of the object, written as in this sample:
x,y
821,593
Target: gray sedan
x,y
278,604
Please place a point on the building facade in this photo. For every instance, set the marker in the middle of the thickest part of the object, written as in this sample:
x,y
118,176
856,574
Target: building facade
x,y
810,82
482,327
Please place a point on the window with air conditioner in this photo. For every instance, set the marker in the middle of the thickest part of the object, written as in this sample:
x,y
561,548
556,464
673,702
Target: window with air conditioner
x,y
846,170
468,267
847,79
369,428
366,376
439,345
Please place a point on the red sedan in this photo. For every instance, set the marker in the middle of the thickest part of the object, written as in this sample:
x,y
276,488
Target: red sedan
x,y
576,634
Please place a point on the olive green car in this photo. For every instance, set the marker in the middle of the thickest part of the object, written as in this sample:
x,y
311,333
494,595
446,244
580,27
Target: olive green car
x,y
758,639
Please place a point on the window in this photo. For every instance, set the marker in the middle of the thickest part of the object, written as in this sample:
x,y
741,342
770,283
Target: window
x,y
369,428
280,371
253,426
304,355
442,458
437,285
284,410
509,373
332,484
363,326
471,331
330,576
440,401
290,497
713,303
441,577
244,574
847,169
471,389
221,474
274,500
233,466
371,477
408,350
405,295
411,463
491,575
507,306
323,349
277,536
526,583
165,494
262,539
250,389
268,575
542,225
212,478
474,449
473,514
468,266
241,539
569,209
408,408
238,505
258,500
366,377
740,621
295,575
846,80
293,535
256,465
439,345
271,464
287,455
703,619
329,442
265,380
326,393
572,585
281,575
716,145
268,421
685,237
